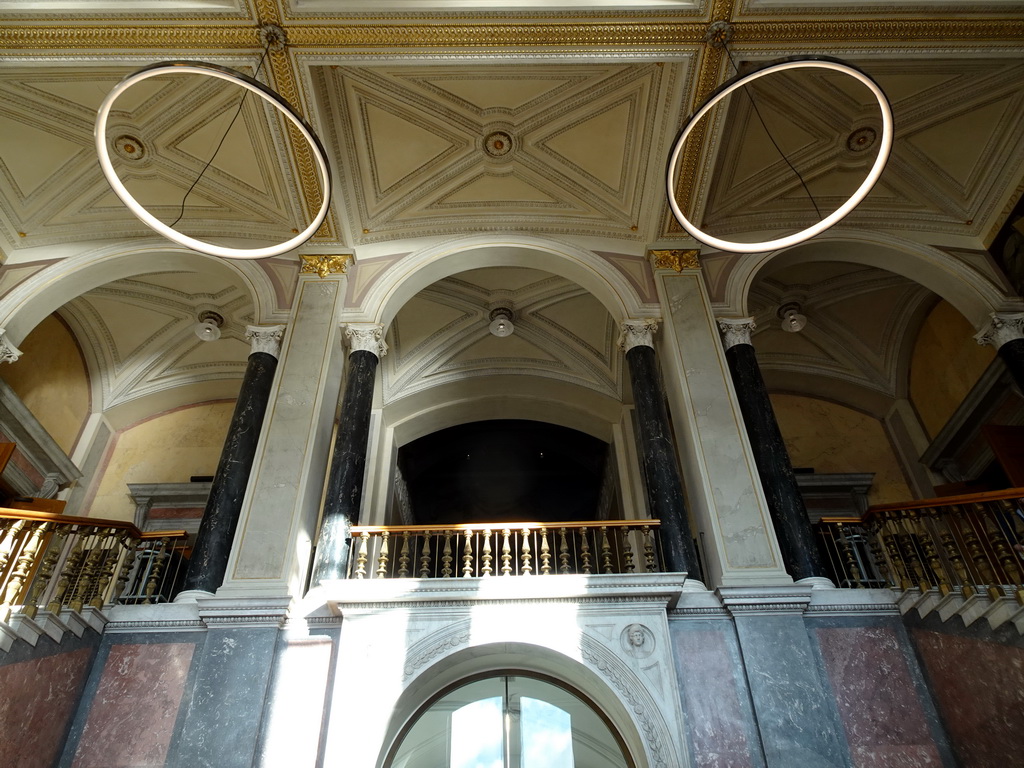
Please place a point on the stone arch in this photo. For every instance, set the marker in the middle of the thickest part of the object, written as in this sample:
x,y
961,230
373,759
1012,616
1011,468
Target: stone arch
x,y
418,270
516,397
633,709
50,288
973,294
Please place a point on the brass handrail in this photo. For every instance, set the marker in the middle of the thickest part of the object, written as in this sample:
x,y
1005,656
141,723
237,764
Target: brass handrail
x,y
968,543
53,562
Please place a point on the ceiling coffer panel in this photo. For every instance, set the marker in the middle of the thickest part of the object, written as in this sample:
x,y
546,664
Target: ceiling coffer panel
x,y
538,147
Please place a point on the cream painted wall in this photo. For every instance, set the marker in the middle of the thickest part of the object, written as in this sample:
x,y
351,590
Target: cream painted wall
x,y
833,438
946,363
52,381
169,448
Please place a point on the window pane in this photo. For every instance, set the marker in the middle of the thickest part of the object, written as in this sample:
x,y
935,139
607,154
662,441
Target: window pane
x,y
477,731
547,735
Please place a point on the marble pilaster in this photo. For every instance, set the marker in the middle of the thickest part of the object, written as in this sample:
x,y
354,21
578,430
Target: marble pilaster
x,y
274,536
217,530
797,716
718,467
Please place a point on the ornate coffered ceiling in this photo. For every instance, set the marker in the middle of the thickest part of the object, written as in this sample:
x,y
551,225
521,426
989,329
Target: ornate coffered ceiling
x,y
448,117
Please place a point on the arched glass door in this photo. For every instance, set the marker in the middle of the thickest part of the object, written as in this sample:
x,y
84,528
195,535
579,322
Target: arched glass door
x,y
509,722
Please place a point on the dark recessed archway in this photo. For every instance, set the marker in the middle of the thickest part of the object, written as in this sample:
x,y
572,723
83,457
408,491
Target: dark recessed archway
x,y
504,471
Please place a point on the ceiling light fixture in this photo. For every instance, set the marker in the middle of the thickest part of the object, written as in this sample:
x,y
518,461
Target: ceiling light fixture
x,y
501,322
208,327
792,320
249,83
800,62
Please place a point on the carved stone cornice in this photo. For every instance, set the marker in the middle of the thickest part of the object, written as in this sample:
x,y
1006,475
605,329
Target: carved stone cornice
x,y
265,338
674,258
8,352
366,337
736,330
1000,329
325,264
638,333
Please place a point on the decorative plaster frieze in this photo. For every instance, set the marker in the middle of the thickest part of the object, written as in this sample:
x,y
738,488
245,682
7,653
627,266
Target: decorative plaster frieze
x,y
325,264
8,352
1000,329
736,330
265,338
638,333
366,337
675,259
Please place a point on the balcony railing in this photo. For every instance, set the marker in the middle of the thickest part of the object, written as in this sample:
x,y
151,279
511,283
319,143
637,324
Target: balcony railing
x,y
54,562
505,549
969,544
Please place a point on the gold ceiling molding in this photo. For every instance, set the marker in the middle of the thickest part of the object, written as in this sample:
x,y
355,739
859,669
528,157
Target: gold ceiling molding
x,y
666,36
325,264
675,259
117,38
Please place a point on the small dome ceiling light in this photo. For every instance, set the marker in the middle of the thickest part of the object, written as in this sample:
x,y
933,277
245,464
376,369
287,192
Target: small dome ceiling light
x,y
792,320
208,327
501,322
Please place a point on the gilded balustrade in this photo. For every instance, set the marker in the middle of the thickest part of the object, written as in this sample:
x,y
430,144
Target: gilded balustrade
x,y
54,562
505,549
970,544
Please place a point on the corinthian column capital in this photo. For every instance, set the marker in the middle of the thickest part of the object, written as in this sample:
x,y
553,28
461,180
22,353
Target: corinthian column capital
x,y
8,352
366,337
265,338
1000,329
736,330
638,333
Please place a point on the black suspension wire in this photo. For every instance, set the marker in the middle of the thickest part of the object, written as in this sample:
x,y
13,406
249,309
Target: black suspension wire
x,y
227,130
764,125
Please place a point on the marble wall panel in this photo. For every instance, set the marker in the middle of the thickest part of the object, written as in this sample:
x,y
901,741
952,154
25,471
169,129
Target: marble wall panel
x,y
716,703
222,716
295,709
796,713
38,700
133,712
885,723
979,690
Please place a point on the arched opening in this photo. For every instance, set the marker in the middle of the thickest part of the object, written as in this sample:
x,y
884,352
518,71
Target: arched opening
x,y
506,470
509,721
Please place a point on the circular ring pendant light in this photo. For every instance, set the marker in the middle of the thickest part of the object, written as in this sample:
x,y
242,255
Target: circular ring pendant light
x,y
249,83
811,62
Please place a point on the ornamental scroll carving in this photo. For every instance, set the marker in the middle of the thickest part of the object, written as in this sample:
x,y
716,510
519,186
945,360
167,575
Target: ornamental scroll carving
x,y
265,338
1001,329
736,330
366,337
675,259
638,333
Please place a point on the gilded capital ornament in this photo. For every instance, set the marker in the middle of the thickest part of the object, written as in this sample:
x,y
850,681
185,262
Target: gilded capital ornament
x,y
675,259
638,333
736,330
265,338
366,337
8,352
1000,329
325,264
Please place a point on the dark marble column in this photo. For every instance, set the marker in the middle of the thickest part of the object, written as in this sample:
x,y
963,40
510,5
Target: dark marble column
x,y
217,530
789,515
1005,332
345,482
664,486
